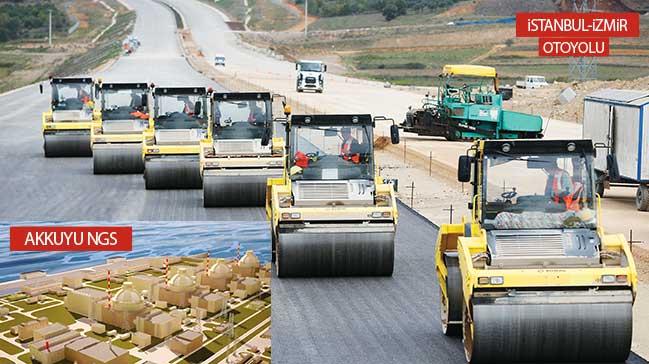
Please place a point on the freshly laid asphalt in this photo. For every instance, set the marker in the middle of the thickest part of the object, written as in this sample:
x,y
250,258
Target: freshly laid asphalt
x,y
370,320
35,188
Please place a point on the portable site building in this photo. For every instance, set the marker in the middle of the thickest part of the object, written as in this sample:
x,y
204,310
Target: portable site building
x,y
619,120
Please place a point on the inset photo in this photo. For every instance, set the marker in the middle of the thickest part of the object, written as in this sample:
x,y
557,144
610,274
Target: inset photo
x,y
187,292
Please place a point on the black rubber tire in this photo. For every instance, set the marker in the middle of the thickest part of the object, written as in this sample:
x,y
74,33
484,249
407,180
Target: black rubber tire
x,y
455,298
642,198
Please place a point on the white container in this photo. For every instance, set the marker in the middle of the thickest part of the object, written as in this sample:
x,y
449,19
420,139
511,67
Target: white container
x,y
619,119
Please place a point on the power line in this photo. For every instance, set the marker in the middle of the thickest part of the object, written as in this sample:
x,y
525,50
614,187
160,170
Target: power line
x,y
583,68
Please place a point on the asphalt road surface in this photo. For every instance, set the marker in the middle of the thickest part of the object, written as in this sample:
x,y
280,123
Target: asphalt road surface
x,y
33,188
369,320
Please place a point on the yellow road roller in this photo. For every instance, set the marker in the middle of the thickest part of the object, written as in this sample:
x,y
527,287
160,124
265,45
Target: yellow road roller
x,y
531,276
117,137
66,125
242,150
171,148
331,214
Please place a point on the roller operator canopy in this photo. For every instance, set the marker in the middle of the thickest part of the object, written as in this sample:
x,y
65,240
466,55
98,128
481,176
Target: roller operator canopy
x,y
468,70
224,96
62,80
332,119
518,146
125,86
180,91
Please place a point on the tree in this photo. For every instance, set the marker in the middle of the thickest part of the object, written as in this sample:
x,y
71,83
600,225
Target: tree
x,y
394,8
390,11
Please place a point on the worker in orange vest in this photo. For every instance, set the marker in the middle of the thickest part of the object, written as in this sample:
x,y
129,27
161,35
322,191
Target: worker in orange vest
x,y
559,186
349,147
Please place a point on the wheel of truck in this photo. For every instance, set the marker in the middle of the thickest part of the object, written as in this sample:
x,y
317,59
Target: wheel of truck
x,y
452,135
451,305
642,198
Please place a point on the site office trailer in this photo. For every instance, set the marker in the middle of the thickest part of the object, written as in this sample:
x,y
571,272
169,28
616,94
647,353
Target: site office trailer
x,y
619,119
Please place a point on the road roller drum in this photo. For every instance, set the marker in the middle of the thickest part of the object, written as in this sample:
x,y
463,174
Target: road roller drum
x,y
335,250
550,326
172,172
72,144
117,158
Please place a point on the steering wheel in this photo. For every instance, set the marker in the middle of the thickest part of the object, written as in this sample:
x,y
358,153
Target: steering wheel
x,y
509,194
312,156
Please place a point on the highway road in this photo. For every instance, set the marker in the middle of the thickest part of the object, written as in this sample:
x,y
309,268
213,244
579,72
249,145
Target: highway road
x,y
370,320
33,188
348,320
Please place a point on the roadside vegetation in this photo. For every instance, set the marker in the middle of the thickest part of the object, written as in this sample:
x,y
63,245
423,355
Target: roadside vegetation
x,y
264,15
25,55
389,9
18,21
413,48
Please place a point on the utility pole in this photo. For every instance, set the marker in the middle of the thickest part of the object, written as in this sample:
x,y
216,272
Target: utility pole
x,y
306,18
50,37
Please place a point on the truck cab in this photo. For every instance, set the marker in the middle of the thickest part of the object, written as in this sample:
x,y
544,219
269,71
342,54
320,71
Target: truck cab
x,y
310,75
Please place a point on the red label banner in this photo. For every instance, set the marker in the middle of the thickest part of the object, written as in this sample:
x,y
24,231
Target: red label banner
x,y
587,25
70,238
573,47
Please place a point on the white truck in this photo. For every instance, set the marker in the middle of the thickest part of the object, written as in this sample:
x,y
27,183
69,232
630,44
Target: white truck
x,y
310,75
532,82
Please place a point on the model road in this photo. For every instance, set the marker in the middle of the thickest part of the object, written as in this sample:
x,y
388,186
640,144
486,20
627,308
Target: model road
x,y
35,188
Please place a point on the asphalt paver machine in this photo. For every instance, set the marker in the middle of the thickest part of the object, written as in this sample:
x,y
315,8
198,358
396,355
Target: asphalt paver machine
x,y
468,106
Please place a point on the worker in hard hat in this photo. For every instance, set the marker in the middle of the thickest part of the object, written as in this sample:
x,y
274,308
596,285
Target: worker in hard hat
x,y
349,147
559,186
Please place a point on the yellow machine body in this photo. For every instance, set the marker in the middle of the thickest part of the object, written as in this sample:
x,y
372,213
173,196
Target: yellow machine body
x,y
305,234
66,126
531,302
234,163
